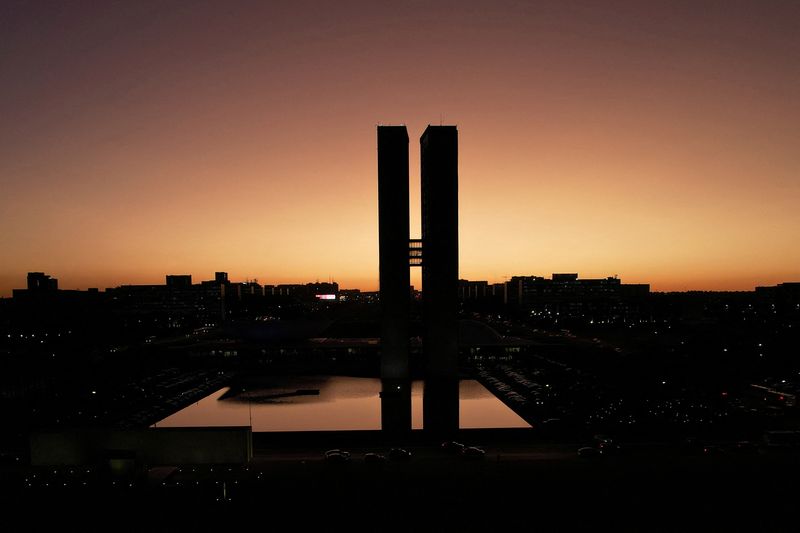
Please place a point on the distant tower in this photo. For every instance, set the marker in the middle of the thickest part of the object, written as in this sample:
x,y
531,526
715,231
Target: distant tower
x,y
222,283
394,277
439,180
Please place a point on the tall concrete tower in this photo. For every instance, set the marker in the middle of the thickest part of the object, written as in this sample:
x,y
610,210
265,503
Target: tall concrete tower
x,y
437,253
439,177
394,277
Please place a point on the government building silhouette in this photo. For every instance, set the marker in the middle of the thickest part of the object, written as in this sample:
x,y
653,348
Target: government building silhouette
x,y
437,254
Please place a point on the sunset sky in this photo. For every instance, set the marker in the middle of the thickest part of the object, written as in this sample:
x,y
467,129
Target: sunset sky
x,y
658,141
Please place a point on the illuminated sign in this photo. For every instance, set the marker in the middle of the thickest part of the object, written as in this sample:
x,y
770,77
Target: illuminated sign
x,y
326,296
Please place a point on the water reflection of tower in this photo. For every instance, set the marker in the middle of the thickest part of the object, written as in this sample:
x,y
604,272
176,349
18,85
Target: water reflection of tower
x,y
438,256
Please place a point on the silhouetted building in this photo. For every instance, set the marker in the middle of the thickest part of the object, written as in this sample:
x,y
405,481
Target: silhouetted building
x,y
308,292
285,290
781,299
323,290
567,289
564,295
175,305
472,290
43,308
437,253
562,288
393,250
439,180
39,281
564,278
394,277
181,281
242,290
221,288
350,295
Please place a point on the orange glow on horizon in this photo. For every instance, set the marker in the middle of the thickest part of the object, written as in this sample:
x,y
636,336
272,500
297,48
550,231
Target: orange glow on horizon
x,y
645,141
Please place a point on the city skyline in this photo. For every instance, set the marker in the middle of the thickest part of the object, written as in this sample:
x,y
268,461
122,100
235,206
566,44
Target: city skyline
x,y
656,142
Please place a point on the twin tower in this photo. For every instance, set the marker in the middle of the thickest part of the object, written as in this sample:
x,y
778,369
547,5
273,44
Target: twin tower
x,y
437,254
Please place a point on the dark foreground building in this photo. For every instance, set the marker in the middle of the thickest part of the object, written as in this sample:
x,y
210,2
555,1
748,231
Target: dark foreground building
x,y
393,242
439,175
439,179
394,277
437,254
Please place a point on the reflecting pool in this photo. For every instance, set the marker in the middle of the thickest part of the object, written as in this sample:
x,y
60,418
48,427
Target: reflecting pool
x,y
328,403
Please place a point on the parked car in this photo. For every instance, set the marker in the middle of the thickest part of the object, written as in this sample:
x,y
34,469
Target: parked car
x,y
372,458
399,454
337,456
473,452
588,452
452,446
606,444
713,449
603,439
746,446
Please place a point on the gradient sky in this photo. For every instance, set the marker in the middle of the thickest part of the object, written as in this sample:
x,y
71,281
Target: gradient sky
x,y
659,141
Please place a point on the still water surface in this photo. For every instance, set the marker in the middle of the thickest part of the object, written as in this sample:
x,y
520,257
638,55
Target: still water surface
x,y
343,403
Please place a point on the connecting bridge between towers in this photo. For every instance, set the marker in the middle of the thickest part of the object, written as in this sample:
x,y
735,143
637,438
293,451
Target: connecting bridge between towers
x,y
415,252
